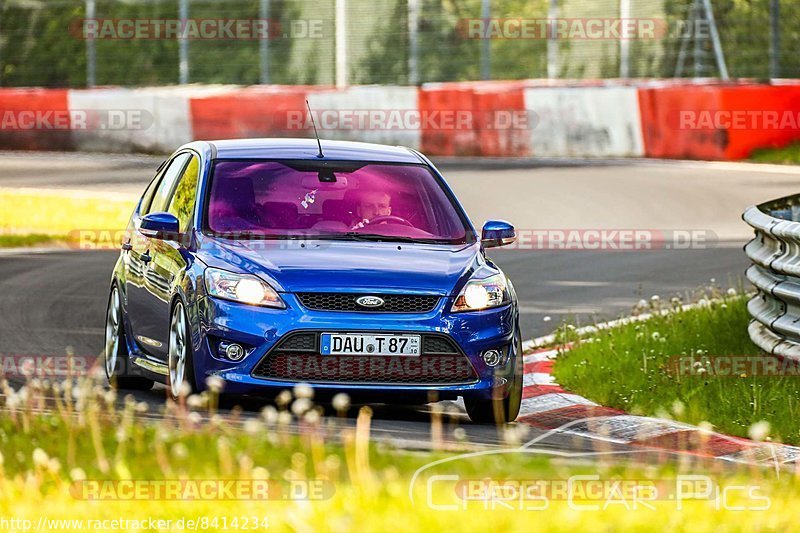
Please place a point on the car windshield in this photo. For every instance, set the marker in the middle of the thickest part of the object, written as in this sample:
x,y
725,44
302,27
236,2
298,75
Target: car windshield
x,y
334,200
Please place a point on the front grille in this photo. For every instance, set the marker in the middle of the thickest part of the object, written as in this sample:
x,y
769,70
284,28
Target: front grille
x,y
393,303
297,358
383,369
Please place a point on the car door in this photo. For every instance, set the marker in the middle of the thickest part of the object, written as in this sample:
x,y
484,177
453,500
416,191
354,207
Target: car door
x,y
134,247
145,310
169,258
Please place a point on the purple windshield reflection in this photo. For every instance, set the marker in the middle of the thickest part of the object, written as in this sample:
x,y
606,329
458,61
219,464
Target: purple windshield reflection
x,y
272,199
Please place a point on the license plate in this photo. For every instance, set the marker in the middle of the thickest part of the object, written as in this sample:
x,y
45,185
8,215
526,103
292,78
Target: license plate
x,y
365,344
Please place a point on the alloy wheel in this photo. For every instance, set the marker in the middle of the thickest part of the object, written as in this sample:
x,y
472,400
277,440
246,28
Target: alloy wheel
x,y
113,320
177,350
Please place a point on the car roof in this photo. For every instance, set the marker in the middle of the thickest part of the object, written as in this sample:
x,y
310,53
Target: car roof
x,y
308,149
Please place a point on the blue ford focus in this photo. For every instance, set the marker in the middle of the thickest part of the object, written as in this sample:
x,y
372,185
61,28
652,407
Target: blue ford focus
x,y
348,266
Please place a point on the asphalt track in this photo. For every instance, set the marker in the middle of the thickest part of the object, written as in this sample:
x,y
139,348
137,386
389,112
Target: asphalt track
x,y
53,301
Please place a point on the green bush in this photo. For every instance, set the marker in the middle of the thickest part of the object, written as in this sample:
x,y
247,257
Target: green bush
x,y
41,42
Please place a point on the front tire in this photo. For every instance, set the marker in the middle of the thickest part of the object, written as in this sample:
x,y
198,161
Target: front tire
x,y
115,353
499,411
181,367
496,411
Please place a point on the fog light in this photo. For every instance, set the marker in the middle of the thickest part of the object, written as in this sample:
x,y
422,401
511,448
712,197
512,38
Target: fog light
x,y
233,351
492,357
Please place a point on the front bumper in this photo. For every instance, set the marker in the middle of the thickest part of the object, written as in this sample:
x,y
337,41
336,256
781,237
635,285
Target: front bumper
x,y
261,330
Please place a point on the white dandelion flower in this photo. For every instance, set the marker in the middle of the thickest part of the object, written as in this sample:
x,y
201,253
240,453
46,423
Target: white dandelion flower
x,y
40,457
215,384
759,431
303,390
341,402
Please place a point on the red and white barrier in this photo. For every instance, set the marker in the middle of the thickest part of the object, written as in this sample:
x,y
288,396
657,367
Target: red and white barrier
x,y
247,112
35,119
136,120
720,122
372,113
585,122
474,119
545,118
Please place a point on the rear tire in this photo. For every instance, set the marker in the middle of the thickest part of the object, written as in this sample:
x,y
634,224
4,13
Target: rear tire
x,y
115,353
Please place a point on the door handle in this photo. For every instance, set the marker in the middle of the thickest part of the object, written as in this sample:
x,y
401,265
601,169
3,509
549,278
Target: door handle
x,y
146,257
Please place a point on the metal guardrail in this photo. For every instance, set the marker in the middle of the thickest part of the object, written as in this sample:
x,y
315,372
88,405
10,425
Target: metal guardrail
x,y
775,272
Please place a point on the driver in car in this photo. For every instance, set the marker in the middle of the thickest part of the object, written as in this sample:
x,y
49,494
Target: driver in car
x,y
371,205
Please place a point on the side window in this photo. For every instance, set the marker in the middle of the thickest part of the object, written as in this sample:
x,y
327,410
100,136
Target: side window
x,y
182,203
167,184
147,197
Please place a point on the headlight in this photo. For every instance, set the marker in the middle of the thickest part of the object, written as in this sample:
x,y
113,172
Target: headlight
x,y
482,294
243,288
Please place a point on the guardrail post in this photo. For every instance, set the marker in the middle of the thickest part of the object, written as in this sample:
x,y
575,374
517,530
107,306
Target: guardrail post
x,y
775,39
91,52
486,44
263,45
183,44
413,42
552,41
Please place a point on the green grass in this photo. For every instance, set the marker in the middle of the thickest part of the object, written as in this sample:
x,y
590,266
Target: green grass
x,y
629,368
23,240
90,436
788,155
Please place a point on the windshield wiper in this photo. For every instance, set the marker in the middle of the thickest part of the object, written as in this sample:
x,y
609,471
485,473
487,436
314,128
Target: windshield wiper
x,y
355,235
346,236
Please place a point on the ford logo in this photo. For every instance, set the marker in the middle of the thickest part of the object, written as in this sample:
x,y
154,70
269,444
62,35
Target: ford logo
x,y
370,301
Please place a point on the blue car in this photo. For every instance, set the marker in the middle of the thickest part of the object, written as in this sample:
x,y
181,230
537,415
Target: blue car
x,y
351,267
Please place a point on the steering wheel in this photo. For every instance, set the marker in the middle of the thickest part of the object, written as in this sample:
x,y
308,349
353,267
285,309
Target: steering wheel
x,y
386,219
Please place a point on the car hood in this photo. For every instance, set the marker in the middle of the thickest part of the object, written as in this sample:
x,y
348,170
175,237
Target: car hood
x,y
346,266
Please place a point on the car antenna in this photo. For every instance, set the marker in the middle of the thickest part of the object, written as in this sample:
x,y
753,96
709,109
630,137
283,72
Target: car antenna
x,y
319,143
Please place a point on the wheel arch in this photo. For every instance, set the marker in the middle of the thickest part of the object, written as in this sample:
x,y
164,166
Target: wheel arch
x,y
193,323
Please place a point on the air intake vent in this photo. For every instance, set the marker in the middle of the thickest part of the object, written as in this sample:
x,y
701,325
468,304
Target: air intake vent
x,y
392,303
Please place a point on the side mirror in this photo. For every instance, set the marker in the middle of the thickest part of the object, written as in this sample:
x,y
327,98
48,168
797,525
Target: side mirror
x,y
497,233
162,226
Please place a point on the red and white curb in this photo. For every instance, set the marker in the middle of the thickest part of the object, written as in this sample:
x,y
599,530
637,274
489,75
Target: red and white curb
x,y
547,406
